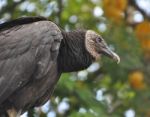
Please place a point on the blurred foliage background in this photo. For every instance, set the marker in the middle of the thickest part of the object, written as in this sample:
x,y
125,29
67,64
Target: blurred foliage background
x,y
105,89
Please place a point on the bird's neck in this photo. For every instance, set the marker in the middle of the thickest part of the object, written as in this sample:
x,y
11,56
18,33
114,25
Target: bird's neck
x,y
73,55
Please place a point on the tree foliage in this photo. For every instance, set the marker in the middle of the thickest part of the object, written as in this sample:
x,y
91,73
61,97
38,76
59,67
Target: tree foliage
x,y
105,88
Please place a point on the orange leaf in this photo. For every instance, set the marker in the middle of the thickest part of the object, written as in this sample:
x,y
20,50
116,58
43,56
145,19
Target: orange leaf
x,y
118,4
136,80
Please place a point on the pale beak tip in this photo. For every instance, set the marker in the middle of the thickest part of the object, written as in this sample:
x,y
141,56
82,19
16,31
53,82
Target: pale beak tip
x,y
116,58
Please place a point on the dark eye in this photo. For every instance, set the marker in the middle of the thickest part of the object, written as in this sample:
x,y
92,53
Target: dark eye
x,y
98,39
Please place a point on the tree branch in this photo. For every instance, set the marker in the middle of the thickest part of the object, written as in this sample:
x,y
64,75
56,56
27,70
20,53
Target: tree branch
x,y
60,6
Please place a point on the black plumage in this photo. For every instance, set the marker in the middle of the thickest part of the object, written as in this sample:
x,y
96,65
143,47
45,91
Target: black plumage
x,y
73,48
34,52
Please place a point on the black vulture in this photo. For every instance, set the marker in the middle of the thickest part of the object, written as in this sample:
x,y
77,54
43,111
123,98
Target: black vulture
x,y
34,52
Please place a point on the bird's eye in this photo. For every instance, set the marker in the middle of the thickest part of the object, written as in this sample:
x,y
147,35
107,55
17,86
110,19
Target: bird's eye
x,y
98,39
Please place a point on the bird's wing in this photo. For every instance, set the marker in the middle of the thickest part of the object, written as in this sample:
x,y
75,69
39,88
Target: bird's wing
x,y
26,52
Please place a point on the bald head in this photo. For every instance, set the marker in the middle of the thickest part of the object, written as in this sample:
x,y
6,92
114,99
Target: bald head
x,y
96,46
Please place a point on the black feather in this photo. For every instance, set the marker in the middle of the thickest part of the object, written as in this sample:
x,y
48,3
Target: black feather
x,y
73,55
21,21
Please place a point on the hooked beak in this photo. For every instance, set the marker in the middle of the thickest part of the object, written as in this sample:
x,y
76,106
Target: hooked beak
x,y
106,51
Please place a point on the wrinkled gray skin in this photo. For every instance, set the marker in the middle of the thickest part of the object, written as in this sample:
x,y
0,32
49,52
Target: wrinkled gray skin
x,y
33,54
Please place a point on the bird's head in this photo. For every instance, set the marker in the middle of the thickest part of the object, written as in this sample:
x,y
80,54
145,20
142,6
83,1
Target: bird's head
x,y
97,46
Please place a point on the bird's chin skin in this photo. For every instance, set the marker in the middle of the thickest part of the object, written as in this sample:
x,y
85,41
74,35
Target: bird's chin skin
x,y
97,57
